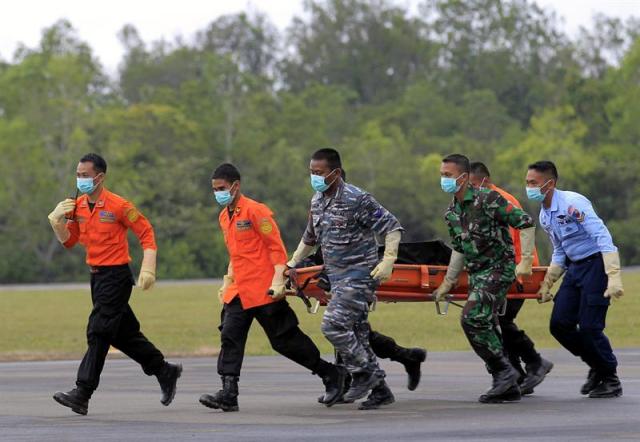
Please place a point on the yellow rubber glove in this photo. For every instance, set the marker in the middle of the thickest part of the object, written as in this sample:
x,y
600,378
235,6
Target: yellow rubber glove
x,y
57,219
612,269
303,251
276,291
527,246
554,272
147,270
227,280
382,272
456,264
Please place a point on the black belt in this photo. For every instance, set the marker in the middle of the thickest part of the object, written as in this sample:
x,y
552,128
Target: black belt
x,y
101,269
583,260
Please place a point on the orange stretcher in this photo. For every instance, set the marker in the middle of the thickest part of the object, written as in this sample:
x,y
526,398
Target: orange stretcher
x,y
408,283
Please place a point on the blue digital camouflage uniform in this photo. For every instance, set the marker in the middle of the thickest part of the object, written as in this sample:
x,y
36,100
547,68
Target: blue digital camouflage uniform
x,y
344,226
479,229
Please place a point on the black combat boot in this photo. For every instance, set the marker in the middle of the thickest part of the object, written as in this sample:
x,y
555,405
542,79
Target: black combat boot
x,y
380,395
168,378
505,383
225,399
536,373
76,399
593,380
411,358
347,385
361,384
334,383
609,387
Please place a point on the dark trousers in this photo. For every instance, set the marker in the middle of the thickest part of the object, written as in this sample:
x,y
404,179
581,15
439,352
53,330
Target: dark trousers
x,y
112,322
518,346
579,313
383,346
279,323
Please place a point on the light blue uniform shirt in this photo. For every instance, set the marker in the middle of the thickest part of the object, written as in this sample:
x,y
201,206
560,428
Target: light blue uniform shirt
x,y
574,228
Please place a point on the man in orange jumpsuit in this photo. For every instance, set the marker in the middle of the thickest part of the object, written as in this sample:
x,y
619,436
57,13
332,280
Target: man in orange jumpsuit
x,y
99,220
518,345
254,288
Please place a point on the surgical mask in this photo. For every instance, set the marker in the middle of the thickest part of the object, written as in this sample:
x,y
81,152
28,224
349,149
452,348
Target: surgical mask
x,y
450,185
318,182
535,193
85,185
223,197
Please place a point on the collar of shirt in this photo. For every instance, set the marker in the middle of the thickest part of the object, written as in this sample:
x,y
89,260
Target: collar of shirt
x,y
326,200
555,204
104,194
241,203
469,195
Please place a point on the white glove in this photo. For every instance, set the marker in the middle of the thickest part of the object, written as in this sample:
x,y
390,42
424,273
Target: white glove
x,y
62,209
227,280
303,251
527,246
276,291
456,264
147,270
554,272
57,219
384,269
612,269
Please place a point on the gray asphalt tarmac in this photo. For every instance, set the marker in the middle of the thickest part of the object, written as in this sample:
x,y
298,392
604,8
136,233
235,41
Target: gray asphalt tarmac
x,y
278,402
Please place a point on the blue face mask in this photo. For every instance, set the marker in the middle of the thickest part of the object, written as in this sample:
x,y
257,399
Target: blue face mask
x,y
223,197
450,185
318,182
85,185
535,193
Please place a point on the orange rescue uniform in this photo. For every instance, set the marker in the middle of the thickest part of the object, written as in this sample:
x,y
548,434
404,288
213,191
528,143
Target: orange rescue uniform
x,y
253,240
515,233
103,231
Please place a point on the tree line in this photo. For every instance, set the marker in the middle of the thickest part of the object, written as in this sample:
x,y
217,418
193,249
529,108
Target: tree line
x,y
497,80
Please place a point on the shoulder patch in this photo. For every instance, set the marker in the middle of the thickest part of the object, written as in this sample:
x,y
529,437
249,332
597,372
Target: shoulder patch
x,y
266,227
132,214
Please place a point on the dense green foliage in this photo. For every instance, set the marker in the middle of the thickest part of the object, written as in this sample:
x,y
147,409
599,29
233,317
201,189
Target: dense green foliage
x,y
497,80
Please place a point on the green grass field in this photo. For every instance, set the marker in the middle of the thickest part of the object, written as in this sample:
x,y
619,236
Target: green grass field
x,y
183,320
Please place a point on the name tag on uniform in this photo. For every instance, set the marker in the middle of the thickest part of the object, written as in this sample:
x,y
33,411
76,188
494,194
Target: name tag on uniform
x,y
243,224
107,217
568,229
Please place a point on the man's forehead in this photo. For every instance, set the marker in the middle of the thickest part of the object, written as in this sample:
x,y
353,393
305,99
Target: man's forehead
x,y
449,167
220,182
534,174
85,166
318,164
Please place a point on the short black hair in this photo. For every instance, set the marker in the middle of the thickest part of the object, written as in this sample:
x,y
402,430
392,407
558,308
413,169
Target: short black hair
x,y
480,169
227,172
331,155
546,167
99,164
460,160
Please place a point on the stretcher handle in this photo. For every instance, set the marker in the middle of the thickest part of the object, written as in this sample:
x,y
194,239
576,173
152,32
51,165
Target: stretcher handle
x,y
448,300
312,309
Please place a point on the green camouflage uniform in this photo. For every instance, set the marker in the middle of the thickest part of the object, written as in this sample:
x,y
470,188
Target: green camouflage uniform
x,y
479,229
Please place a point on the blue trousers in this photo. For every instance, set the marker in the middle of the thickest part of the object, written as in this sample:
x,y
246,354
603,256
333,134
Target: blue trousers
x,y
579,313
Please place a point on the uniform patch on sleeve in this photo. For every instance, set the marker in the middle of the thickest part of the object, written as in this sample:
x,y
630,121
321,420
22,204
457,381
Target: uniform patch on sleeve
x,y
132,214
378,213
266,227
576,214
